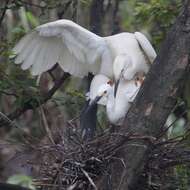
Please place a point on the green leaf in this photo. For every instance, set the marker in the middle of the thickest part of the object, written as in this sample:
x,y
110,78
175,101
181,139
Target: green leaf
x,y
32,19
22,180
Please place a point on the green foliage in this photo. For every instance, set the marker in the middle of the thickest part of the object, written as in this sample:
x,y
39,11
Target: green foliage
x,y
19,84
71,102
32,19
86,2
22,180
182,177
153,16
158,16
14,81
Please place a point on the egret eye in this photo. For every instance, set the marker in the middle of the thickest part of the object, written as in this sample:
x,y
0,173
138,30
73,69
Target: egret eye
x,y
110,82
105,91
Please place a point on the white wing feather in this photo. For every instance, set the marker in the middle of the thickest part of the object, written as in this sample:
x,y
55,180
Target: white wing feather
x,y
146,46
22,44
33,55
77,50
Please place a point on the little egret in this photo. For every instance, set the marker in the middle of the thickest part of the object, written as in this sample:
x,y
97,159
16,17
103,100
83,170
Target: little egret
x,y
116,106
79,51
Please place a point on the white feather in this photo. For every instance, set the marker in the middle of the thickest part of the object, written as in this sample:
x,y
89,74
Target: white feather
x,y
79,51
63,41
23,43
146,46
28,48
98,81
32,57
116,107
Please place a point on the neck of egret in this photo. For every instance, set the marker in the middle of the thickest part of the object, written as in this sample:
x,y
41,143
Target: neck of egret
x,y
116,106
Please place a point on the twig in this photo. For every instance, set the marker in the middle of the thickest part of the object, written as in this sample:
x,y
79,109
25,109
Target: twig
x,y
27,106
4,11
7,120
168,127
172,163
66,6
32,4
116,27
9,93
74,14
107,8
48,131
89,179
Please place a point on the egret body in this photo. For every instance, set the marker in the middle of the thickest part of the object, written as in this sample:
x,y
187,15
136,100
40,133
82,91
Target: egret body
x,y
116,106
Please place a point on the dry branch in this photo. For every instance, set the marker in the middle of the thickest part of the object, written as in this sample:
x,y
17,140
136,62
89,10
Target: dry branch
x,y
4,11
154,102
6,186
30,104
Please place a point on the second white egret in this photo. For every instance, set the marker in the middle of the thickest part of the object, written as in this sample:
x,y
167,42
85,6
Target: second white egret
x,y
116,106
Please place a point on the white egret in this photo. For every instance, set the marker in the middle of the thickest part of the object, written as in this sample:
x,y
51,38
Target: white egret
x,y
79,51
116,106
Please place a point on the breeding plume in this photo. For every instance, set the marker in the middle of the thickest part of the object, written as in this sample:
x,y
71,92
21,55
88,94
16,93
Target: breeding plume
x,y
79,51
102,92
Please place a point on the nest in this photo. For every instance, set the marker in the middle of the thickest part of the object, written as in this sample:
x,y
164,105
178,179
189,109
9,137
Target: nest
x,y
73,164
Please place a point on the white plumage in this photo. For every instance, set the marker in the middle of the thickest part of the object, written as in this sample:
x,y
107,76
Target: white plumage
x,y
96,84
116,107
79,51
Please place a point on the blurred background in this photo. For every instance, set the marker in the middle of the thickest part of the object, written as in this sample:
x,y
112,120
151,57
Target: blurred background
x,y
18,87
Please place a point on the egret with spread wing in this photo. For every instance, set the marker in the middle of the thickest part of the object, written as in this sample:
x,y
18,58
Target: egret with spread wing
x,y
79,51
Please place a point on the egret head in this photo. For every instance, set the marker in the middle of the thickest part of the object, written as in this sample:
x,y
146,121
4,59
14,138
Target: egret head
x,y
103,91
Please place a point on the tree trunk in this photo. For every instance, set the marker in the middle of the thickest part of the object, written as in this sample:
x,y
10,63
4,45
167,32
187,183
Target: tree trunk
x,y
88,118
153,103
96,15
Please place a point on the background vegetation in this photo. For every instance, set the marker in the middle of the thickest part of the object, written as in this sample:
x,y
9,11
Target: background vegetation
x,y
18,87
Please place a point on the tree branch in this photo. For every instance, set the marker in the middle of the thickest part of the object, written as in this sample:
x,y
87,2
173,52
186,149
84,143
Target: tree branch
x,y
6,186
154,102
3,12
96,15
88,119
116,27
32,104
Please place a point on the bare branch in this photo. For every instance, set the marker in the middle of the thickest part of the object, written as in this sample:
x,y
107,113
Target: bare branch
x,y
8,93
155,101
3,12
32,104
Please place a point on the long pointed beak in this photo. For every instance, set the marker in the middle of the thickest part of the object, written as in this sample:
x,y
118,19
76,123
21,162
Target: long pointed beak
x,y
116,87
117,83
93,103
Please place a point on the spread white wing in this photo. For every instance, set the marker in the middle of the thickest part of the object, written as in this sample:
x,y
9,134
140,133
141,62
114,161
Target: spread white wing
x,y
146,46
77,50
